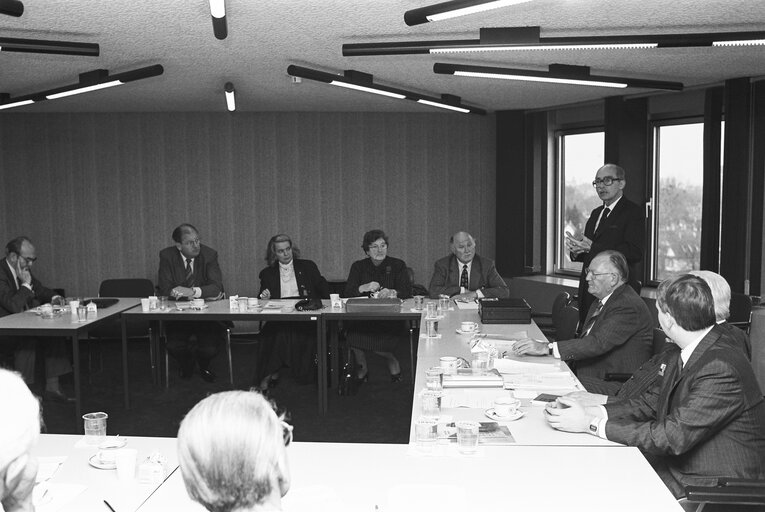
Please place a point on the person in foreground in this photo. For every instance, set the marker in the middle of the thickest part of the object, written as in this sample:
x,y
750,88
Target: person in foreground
x,y
18,435
385,277
189,270
19,291
618,225
648,377
707,421
232,453
617,336
291,344
464,275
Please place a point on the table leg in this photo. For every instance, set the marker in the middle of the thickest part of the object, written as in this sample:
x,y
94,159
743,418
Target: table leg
x,y
76,371
321,366
412,359
334,348
125,362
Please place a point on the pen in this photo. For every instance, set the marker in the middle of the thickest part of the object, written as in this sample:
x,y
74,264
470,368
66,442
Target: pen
x,y
110,507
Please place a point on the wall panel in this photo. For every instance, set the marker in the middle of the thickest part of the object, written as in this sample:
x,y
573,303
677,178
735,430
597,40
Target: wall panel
x,y
100,193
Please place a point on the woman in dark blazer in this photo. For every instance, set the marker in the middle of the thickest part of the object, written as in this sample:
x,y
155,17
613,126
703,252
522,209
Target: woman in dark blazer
x,y
385,277
291,344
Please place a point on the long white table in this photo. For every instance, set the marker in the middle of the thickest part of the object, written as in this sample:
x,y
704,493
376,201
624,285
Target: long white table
x,y
532,428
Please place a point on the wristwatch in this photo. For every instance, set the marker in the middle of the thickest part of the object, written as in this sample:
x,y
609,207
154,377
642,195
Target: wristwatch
x,y
594,424
550,348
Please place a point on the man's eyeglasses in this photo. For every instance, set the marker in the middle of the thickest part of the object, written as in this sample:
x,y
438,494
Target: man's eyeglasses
x,y
588,271
27,259
379,247
607,181
195,241
287,432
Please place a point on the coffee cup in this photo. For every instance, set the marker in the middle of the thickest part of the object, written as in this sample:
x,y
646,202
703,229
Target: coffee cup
x,y
108,455
449,364
505,406
468,326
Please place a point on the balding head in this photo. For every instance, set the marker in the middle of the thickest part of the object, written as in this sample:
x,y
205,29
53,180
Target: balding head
x,y
720,292
463,246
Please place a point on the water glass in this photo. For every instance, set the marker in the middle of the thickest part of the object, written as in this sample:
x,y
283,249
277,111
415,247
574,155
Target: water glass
x,y
431,327
480,362
426,434
443,305
163,303
430,404
467,436
94,424
82,314
431,311
434,378
419,300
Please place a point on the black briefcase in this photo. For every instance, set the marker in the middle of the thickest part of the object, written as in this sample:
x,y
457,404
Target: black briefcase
x,y
504,311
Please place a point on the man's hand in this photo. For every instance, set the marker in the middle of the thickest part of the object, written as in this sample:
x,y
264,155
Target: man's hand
x,y
265,294
466,297
371,286
182,291
578,246
23,273
530,347
568,415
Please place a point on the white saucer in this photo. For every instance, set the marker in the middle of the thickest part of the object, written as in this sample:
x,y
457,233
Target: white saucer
x,y
491,414
474,331
99,464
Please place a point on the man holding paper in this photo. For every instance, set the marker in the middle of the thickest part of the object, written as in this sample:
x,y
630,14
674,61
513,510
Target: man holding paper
x,y
464,275
617,336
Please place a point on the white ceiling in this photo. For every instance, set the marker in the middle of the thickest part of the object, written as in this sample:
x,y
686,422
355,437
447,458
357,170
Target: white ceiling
x,y
265,36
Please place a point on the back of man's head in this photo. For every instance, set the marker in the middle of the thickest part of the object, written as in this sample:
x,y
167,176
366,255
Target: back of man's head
x,y
688,300
20,426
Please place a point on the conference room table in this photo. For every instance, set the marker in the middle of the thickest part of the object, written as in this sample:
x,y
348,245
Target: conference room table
x,y
277,310
377,477
28,323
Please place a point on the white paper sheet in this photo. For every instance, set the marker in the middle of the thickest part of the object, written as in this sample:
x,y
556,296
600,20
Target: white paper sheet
x,y
467,305
511,366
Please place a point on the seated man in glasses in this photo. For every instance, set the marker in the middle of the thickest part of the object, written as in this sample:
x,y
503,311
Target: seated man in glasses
x,y
189,270
616,225
617,336
19,291
231,450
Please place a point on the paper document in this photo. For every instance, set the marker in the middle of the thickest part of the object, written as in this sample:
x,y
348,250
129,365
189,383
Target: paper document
x,y
47,467
471,400
511,366
542,382
466,305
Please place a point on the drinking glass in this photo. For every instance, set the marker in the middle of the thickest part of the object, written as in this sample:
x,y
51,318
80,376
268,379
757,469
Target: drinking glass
x,y
431,404
434,378
467,436
443,305
431,311
94,424
426,434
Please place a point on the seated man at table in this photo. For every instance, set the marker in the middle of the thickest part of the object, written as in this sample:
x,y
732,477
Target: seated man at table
x,y
707,421
648,377
190,270
232,453
617,336
464,275
19,291
19,431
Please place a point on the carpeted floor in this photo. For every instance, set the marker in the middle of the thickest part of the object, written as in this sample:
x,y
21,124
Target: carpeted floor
x,y
379,413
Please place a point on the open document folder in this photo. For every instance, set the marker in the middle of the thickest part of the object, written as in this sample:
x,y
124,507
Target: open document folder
x,y
535,376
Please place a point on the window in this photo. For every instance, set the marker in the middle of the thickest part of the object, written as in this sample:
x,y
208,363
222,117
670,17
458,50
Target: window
x,y
678,184
580,155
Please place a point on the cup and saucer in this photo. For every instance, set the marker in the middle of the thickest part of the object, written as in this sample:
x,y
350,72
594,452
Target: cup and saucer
x,y
468,328
506,408
106,456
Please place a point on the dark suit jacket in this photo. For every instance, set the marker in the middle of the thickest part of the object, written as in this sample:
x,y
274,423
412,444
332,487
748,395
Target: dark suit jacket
x,y
621,339
13,300
310,282
708,421
623,231
207,274
483,276
391,274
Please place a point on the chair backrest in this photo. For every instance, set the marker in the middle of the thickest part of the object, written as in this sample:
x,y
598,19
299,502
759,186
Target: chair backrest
x,y
660,340
562,300
130,287
568,320
740,310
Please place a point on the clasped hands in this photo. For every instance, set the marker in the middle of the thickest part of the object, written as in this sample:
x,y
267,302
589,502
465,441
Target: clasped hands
x,y
374,287
569,415
182,291
577,246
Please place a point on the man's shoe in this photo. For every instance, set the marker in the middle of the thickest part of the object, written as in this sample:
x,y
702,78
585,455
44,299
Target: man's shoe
x,y
57,396
207,375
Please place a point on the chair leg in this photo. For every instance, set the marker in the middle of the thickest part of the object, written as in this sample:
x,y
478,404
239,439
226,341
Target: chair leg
x,y
167,367
228,353
152,358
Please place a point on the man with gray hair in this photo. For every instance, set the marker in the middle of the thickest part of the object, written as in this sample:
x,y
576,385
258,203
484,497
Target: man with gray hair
x,y
19,431
464,275
617,336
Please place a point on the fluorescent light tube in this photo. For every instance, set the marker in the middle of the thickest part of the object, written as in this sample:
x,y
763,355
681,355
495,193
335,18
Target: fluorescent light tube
x,y
368,89
230,101
84,89
473,9
16,104
619,85
743,42
545,47
443,105
218,8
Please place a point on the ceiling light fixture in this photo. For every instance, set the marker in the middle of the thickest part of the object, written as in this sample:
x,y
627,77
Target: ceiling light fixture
x,y
90,81
230,97
557,73
10,44
528,38
454,8
218,13
11,7
352,79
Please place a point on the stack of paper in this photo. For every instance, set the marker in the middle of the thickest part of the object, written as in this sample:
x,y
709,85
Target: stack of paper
x,y
467,379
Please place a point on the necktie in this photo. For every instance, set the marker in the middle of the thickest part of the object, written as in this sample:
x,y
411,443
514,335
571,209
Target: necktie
x,y
189,273
19,283
464,281
603,218
591,321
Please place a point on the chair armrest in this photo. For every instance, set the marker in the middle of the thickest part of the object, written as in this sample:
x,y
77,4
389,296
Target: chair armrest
x,y
750,493
617,377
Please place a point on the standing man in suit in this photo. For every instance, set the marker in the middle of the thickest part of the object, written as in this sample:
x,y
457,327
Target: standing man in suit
x,y
189,270
707,421
617,336
464,275
619,225
19,291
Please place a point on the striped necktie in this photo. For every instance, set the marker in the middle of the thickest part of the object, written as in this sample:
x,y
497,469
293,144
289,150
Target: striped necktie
x,y
591,321
189,274
464,280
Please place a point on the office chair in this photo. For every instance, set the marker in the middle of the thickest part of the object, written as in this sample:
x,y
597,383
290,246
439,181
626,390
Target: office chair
x,y
548,328
729,495
660,341
567,322
740,311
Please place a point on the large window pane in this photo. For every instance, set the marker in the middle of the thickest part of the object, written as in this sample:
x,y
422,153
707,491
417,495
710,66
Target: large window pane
x,y
579,157
679,157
